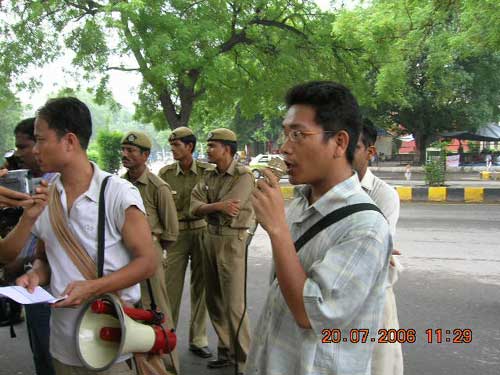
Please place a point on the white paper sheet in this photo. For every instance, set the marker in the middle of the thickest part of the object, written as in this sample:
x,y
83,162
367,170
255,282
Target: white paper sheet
x,y
22,296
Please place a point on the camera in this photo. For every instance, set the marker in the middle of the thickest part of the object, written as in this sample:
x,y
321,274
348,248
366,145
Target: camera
x,y
20,180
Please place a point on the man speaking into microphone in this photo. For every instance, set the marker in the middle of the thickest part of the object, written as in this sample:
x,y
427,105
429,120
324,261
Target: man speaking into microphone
x,y
330,250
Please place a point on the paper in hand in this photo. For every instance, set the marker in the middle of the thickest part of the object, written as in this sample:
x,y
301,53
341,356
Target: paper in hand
x,y
22,296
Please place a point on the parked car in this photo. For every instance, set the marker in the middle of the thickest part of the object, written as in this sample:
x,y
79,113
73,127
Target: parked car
x,y
260,162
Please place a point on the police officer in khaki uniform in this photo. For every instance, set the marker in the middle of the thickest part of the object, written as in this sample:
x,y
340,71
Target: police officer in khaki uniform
x,y
182,176
162,218
223,196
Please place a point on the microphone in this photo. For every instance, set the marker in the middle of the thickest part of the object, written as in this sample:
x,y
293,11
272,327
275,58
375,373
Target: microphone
x,y
277,167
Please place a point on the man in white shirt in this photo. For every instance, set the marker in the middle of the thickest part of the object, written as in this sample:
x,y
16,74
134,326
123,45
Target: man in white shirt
x,y
62,130
387,357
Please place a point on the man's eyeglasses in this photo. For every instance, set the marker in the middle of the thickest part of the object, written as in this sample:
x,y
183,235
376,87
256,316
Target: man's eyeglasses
x,y
296,136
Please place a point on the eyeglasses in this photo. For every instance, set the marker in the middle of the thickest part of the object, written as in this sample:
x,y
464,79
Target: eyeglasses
x,y
296,136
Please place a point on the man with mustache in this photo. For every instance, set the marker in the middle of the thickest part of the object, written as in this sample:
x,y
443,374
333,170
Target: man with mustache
x,y
162,218
335,281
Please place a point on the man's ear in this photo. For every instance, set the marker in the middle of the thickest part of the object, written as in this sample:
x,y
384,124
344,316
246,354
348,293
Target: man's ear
x,y
72,141
372,151
341,140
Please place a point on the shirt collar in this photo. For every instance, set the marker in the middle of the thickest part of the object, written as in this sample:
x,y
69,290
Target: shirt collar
x,y
143,179
334,198
192,169
231,170
95,183
368,180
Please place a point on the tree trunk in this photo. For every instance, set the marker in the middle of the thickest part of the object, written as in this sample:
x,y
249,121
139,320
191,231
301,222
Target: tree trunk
x,y
420,146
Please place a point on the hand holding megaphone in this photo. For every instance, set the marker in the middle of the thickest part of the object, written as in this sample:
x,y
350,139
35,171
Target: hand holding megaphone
x,y
267,200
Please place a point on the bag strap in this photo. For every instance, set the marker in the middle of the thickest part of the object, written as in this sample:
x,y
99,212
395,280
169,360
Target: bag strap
x,y
332,218
78,255
101,223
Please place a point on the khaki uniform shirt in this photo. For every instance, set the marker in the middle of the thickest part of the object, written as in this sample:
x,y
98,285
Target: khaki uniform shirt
x,y
182,184
159,204
235,183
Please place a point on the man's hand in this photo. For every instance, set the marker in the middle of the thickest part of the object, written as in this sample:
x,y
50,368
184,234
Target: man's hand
x,y
78,292
29,280
40,200
231,207
392,260
11,198
269,204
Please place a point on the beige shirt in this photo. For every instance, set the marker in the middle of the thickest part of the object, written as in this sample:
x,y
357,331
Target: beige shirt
x,y
159,205
182,183
235,183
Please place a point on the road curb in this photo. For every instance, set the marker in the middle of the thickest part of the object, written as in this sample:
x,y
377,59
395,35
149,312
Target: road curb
x,y
449,194
435,194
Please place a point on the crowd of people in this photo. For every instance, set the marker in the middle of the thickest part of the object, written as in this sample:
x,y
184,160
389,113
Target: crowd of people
x,y
332,248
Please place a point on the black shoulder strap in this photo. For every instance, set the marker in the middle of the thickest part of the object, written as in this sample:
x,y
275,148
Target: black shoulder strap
x,y
100,228
332,218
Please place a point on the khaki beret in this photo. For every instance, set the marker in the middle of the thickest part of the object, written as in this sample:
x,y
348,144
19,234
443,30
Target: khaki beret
x,y
179,133
221,134
138,139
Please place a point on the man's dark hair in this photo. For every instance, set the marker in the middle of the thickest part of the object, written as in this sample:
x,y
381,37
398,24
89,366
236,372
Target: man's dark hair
x,y
189,139
27,127
232,145
369,133
68,115
336,109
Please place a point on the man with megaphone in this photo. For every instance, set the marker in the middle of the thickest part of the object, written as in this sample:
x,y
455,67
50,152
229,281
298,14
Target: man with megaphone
x,y
67,230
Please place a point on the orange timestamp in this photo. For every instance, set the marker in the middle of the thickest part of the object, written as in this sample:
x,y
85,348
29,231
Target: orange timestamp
x,y
390,336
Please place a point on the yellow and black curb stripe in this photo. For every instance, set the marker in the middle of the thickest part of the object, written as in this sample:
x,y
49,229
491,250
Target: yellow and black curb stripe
x,y
449,194
435,194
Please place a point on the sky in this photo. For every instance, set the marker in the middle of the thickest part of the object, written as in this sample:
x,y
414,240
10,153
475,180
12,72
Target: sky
x,y
124,85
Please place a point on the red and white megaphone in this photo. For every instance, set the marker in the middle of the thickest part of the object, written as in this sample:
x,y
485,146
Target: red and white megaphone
x,y
106,330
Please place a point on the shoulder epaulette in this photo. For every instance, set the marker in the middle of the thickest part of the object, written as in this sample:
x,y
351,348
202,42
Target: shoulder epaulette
x,y
243,169
168,167
155,180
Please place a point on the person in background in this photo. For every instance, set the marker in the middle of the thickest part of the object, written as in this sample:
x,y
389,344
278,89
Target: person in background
x,y
182,176
387,357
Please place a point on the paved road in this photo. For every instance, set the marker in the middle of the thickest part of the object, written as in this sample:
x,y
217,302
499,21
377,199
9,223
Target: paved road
x,y
452,280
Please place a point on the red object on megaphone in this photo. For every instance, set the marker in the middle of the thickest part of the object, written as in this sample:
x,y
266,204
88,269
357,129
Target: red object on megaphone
x,y
103,307
165,341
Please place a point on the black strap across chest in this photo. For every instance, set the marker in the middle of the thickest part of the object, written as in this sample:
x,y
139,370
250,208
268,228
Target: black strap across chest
x,y
332,218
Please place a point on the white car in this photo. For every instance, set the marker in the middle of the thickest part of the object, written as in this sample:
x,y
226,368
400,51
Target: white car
x,y
260,162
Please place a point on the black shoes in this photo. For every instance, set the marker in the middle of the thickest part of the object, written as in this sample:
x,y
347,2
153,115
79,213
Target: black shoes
x,y
203,352
219,363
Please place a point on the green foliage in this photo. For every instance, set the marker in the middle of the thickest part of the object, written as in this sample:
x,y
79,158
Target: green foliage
x,y
431,66
435,169
108,148
198,60
10,115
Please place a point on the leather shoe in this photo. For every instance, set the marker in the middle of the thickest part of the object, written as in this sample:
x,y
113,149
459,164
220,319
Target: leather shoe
x,y
202,352
219,363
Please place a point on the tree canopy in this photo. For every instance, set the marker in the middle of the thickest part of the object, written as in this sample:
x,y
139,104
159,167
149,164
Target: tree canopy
x,y
430,66
198,60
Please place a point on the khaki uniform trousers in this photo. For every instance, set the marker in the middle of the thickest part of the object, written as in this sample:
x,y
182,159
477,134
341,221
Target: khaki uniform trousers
x,y
161,298
117,369
189,246
224,264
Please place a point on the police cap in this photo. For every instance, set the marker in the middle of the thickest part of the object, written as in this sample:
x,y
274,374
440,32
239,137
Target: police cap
x,y
179,133
221,134
138,139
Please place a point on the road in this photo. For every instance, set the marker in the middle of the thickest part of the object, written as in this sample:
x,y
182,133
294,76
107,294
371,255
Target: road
x,y
451,254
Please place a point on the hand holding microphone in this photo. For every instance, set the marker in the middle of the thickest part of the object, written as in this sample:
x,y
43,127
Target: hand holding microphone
x,y
267,199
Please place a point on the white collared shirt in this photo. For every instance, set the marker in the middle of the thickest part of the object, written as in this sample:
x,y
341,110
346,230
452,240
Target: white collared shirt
x,y
82,221
385,197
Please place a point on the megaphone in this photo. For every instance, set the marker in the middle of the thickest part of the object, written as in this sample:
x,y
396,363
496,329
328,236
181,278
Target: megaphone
x,y
106,330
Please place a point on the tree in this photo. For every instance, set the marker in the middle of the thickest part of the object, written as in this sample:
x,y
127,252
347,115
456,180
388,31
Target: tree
x,y
108,147
428,65
197,59
10,115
